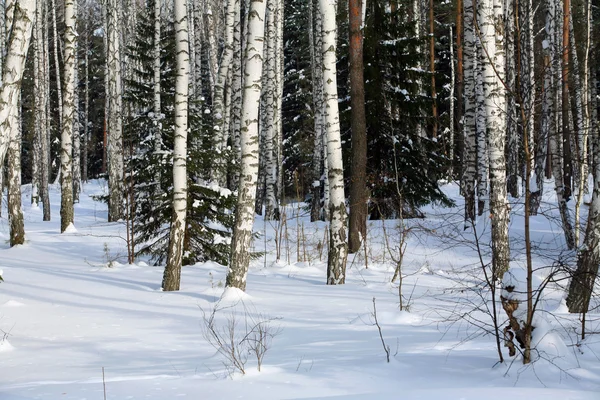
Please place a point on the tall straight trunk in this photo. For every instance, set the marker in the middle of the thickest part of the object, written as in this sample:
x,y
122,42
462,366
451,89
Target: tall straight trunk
x,y
156,88
556,145
513,142
338,248
219,141
19,37
13,172
236,98
2,32
434,108
452,106
66,155
582,283
580,166
469,156
19,17
198,12
490,22
86,100
314,34
481,130
39,101
566,138
547,127
278,104
56,43
45,118
460,81
172,274
114,115
213,48
269,89
76,134
252,86
358,182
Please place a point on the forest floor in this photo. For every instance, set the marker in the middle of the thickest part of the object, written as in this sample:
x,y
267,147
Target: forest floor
x,y
78,322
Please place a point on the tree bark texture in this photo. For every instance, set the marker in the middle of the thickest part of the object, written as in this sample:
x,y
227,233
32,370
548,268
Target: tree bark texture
x,y
66,153
172,273
358,173
252,86
338,248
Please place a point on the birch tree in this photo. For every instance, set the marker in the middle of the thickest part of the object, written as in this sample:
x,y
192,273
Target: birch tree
x,y
491,31
252,86
338,248
20,15
19,37
469,134
221,85
315,39
114,112
172,274
66,155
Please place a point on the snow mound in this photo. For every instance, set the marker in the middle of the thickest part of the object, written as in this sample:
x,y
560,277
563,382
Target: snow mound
x,y
5,346
70,229
234,295
13,303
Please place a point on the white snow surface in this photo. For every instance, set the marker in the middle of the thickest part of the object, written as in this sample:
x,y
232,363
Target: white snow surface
x,y
66,317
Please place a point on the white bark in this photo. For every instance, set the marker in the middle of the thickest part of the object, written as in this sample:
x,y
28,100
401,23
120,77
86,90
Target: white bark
x,y
270,86
76,130
451,96
14,66
66,154
56,43
317,97
172,274
338,247
211,36
491,29
481,128
469,171
114,113
220,139
244,215
236,96
13,173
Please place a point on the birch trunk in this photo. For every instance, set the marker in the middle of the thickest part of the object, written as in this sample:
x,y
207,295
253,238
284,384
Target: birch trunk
x,y
76,129
66,155
14,66
469,158
172,274
198,38
13,172
451,112
44,117
269,88
86,100
114,113
314,33
2,33
236,98
513,54
481,129
19,17
582,282
581,141
220,141
557,140
211,38
39,101
338,248
56,43
547,128
252,86
491,28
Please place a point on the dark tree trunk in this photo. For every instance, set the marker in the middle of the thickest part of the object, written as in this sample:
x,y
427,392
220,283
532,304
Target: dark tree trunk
x,y
358,190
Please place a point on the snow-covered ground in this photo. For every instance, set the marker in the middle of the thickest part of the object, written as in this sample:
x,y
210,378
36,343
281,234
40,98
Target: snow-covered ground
x,y
71,310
